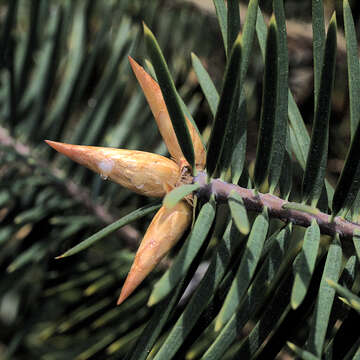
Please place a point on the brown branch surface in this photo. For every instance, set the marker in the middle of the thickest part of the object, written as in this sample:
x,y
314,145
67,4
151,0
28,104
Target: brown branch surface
x,y
277,207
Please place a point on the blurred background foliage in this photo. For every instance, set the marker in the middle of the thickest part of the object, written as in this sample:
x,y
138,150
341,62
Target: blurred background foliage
x,y
65,76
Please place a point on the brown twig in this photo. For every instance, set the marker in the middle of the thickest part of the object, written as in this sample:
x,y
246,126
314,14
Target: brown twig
x,y
277,207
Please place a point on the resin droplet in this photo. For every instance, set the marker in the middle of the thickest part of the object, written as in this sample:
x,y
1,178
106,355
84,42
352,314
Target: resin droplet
x,y
105,168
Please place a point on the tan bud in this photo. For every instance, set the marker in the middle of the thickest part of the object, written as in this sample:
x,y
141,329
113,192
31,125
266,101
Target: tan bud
x,y
199,150
166,228
144,173
158,107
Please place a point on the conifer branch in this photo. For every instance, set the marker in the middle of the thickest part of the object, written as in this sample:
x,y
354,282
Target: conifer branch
x,y
278,208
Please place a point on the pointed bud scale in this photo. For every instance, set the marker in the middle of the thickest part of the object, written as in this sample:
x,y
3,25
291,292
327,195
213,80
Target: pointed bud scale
x,y
158,107
166,228
199,150
144,173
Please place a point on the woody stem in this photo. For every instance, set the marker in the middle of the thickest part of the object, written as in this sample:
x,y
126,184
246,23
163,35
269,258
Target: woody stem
x,y
275,206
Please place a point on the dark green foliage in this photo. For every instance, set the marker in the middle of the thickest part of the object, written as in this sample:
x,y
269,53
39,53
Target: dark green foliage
x,y
206,84
354,86
221,13
304,264
281,112
348,186
268,110
238,212
246,270
187,254
318,25
233,21
170,96
65,76
173,197
240,284
217,161
324,303
316,162
135,215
